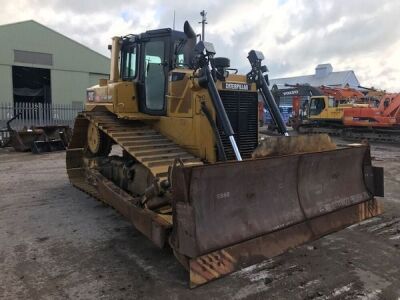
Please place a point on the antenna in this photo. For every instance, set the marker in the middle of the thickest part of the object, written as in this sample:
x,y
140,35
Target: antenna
x,y
203,23
173,24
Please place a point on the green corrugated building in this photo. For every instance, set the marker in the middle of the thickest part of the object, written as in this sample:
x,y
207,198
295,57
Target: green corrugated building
x,y
38,64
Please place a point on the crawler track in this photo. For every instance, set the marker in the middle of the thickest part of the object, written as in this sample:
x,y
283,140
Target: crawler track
x,y
355,133
139,140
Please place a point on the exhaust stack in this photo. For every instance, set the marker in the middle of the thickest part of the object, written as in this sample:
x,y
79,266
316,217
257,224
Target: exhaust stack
x,y
115,49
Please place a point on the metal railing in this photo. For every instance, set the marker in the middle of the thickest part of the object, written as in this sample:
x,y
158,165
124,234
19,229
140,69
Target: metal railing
x,y
37,114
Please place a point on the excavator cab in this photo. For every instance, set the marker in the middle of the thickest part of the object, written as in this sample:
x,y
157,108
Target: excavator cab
x,y
317,105
326,108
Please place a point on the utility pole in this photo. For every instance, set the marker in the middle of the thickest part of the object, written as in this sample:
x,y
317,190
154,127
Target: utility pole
x,y
203,23
173,24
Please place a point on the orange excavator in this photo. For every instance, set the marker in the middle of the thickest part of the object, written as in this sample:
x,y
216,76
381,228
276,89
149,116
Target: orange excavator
x,y
324,104
344,112
386,115
342,94
353,119
372,95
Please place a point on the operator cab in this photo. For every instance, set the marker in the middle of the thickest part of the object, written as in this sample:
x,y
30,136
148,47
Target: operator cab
x,y
147,59
317,105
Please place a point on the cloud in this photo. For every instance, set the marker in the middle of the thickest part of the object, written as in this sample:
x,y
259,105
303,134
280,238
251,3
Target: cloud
x,y
295,35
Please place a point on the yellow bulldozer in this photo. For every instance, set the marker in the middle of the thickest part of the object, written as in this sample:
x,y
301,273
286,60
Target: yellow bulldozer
x,y
188,169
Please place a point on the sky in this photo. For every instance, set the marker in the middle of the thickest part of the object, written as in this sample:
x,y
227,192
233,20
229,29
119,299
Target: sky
x,y
294,35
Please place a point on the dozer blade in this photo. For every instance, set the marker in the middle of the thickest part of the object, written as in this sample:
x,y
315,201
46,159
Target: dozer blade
x,y
22,140
47,146
230,215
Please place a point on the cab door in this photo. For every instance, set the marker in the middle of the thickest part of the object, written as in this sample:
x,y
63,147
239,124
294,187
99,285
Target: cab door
x,y
154,76
317,106
126,93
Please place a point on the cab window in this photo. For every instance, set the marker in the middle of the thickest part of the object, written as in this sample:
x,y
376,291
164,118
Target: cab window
x,y
179,53
331,102
129,63
180,60
150,60
317,106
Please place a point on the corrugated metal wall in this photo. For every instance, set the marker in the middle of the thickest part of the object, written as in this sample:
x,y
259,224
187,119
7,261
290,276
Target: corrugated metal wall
x,y
71,64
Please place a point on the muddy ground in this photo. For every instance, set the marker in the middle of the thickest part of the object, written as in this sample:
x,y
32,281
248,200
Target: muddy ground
x,y
58,243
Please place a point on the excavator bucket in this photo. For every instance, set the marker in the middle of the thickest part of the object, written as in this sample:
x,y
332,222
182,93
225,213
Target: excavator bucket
x,y
41,139
230,215
22,140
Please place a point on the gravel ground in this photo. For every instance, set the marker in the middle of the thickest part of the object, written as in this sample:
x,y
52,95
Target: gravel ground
x,y
58,243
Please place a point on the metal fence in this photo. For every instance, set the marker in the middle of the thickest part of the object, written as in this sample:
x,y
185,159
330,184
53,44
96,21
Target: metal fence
x,y
37,114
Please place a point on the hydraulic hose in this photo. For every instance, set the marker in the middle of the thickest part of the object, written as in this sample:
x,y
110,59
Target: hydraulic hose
x,y
269,101
256,75
220,146
220,109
